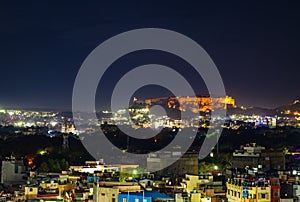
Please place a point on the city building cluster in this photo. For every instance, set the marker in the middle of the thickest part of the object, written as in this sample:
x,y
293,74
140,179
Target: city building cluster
x,y
256,174
251,173
140,115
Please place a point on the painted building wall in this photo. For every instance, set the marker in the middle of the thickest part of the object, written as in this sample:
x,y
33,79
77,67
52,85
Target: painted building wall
x,y
131,197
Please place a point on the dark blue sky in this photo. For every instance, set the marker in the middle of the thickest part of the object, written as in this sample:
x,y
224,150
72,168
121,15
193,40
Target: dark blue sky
x,y
254,45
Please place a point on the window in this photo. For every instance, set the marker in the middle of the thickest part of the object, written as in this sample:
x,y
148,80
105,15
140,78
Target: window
x,y
228,191
124,200
263,195
30,189
136,200
254,196
239,194
113,200
16,169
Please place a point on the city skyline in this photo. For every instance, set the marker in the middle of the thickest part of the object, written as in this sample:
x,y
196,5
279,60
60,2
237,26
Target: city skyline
x,y
170,101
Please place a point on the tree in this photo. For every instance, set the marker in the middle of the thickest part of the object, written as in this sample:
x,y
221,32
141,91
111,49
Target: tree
x,y
44,167
204,167
64,164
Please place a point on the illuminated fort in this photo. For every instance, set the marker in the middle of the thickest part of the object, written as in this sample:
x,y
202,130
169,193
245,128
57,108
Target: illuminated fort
x,y
195,104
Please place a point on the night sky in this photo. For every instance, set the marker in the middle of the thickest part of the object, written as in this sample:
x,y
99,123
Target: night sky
x,y
254,45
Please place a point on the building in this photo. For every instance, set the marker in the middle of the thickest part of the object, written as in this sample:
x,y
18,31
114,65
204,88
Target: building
x,y
109,191
275,189
186,164
49,189
286,193
13,172
249,155
109,194
247,190
296,188
144,196
99,166
195,104
126,192
289,185
31,191
202,188
253,156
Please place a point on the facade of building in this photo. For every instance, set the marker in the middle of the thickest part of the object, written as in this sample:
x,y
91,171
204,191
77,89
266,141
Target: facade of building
x,y
249,155
245,190
13,172
98,166
133,197
109,191
144,196
286,192
186,164
49,190
106,194
275,189
201,188
255,156
204,103
126,192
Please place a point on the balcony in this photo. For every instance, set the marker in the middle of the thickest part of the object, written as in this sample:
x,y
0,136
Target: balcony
x,y
42,193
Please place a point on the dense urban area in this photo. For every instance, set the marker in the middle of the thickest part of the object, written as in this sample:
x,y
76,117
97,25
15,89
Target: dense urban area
x,y
256,159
